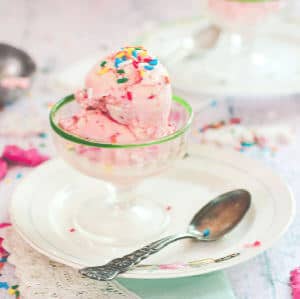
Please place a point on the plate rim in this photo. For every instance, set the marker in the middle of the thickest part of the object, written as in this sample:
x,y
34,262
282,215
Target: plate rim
x,y
205,150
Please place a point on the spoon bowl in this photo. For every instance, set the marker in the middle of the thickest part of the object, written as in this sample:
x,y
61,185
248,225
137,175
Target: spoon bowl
x,y
221,215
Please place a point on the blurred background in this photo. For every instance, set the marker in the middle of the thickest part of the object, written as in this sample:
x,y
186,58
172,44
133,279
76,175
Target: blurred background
x,y
58,34
210,47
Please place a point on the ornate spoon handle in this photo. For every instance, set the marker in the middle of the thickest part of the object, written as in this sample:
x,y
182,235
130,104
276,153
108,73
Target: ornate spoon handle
x,y
120,265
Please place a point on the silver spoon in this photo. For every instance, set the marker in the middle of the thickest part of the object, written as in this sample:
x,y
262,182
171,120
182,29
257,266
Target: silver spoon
x,y
211,223
14,63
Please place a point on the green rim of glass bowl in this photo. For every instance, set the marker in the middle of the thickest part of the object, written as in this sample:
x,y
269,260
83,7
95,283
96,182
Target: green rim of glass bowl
x,y
83,141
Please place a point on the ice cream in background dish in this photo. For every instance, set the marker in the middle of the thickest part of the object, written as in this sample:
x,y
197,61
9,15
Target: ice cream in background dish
x,y
242,12
127,98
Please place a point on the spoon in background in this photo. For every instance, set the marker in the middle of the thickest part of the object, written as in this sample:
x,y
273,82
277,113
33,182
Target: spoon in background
x,y
212,222
17,69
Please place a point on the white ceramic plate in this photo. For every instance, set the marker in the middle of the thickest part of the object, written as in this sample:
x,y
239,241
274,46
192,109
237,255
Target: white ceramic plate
x,y
36,203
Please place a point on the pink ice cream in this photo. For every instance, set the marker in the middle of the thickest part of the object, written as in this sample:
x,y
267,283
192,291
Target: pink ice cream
x,y
237,12
129,93
94,125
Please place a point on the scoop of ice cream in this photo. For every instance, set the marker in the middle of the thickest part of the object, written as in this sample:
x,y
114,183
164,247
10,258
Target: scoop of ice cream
x,y
133,88
94,125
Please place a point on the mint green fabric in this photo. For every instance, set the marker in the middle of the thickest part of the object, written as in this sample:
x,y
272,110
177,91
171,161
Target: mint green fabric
x,y
210,286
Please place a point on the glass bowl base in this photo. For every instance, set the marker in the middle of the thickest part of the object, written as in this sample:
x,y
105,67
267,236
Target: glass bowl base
x,y
94,212
120,223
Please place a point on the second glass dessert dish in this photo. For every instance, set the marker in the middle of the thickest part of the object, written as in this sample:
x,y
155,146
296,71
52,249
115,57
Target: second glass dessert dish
x,y
233,48
94,135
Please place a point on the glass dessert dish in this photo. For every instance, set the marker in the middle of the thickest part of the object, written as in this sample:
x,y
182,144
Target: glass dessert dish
x,y
238,52
119,213
232,49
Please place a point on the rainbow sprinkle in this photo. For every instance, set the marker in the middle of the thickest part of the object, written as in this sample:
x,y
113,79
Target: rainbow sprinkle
x,y
43,135
168,208
121,71
206,232
4,285
167,80
243,144
129,55
103,71
148,67
153,62
5,224
11,290
253,245
19,175
142,73
122,80
118,61
219,124
295,283
129,95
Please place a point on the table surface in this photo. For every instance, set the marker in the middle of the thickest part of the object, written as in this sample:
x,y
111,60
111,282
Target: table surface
x,y
57,35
